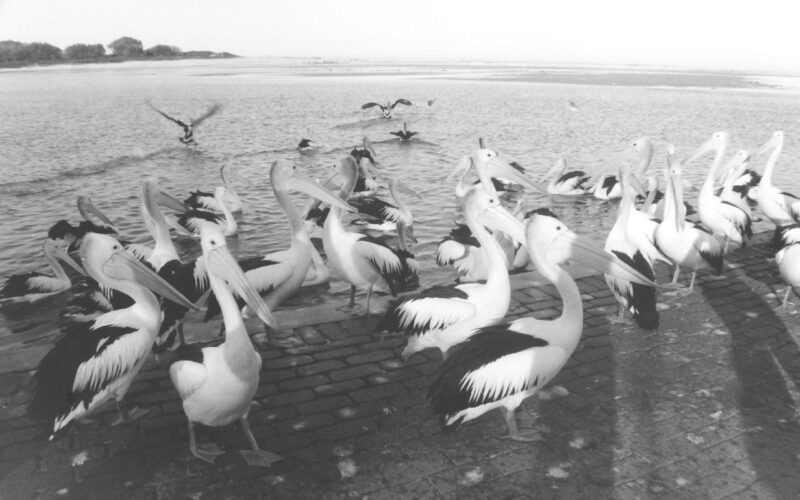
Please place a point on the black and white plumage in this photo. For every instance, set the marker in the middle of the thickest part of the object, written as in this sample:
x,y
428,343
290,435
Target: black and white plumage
x,y
723,218
788,257
405,135
217,384
34,286
188,128
573,183
442,317
782,208
218,200
500,366
358,259
202,213
384,217
387,110
608,185
96,219
97,361
687,245
306,145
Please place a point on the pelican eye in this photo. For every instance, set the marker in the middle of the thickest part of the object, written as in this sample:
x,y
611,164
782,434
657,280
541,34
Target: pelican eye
x,y
558,228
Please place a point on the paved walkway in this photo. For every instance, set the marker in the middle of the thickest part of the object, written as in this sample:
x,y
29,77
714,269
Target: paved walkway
x,y
706,407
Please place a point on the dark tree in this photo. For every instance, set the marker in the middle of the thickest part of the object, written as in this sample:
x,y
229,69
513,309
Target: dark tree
x,y
126,47
82,51
11,51
163,51
38,51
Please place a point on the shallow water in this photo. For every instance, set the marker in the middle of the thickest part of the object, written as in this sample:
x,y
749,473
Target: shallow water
x,y
74,130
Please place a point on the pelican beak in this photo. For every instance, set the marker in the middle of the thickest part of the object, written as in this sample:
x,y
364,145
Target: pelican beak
x,y
636,184
91,208
299,182
124,266
498,218
676,185
705,148
409,231
62,254
168,201
368,147
569,246
559,165
500,168
462,167
223,264
407,189
769,145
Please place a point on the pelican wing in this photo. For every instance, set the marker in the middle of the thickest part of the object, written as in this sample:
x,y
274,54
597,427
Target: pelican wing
x,y
493,364
377,208
574,180
434,308
404,102
188,373
20,284
639,299
450,251
382,257
194,219
175,120
370,104
738,217
708,247
208,114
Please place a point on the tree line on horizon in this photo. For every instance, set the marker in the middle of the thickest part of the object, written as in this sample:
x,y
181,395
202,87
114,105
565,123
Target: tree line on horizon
x,y
13,52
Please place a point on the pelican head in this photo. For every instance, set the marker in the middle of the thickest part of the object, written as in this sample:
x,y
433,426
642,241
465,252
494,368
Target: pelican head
x,y
774,142
718,143
559,166
153,197
107,261
734,167
58,248
86,208
285,177
485,208
220,262
549,240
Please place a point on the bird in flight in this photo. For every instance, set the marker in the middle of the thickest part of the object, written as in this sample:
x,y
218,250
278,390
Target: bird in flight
x,y
387,110
188,129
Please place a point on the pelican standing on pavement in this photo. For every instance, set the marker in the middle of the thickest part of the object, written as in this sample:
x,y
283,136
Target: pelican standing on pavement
x,y
788,258
95,362
502,365
782,208
217,384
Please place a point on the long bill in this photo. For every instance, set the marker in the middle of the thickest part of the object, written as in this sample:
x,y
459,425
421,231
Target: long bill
x,y
499,219
223,264
90,208
499,168
299,182
569,246
62,254
124,266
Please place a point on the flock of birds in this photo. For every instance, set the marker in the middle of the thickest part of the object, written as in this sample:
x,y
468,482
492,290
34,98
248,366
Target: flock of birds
x,y
141,293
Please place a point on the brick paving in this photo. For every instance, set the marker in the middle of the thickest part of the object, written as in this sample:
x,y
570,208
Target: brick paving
x,y
705,407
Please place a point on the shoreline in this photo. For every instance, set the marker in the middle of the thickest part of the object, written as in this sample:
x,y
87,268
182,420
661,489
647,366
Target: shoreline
x,y
115,60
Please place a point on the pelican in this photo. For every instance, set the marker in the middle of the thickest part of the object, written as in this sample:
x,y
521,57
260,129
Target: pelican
x,y
443,316
279,275
405,135
608,186
209,201
387,110
723,219
188,129
355,258
739,182
35,286
97,220
196,217
386,217
639,299
788,258
782,208
686,244
306,145
97,361
569,184
217,384
489,166
502,365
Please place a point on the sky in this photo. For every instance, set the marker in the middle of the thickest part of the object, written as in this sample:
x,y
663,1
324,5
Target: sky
x,y
754,36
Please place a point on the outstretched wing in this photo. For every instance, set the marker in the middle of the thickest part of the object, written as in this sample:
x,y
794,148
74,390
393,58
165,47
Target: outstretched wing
x,y
370,105
175,120
208,114
404,102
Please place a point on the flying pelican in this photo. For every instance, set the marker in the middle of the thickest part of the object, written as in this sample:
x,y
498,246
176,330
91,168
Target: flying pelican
x,y
387,110
788,258
355,258
782,208
34,286
202,199
97,361
639,299
405,135
188,129
686,244
443,316
569,184
217,384
724,219
502,365
278,275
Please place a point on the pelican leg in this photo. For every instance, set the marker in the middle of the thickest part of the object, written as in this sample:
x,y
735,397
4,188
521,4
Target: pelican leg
x,y
620,317
688,291
369,295
350,307
207,453
256,457
785,304
513,431
125,416
179,328
674,283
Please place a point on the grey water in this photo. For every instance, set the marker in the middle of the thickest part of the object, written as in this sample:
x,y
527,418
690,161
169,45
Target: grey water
x,y
72,130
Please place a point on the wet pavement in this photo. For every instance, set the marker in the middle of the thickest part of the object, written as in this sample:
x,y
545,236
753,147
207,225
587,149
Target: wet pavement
x,y
705,407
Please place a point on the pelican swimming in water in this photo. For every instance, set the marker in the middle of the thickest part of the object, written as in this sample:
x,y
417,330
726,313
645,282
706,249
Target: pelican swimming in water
x,y
188,129
387,110
722,218
279,275
500,366
34,286
639,299
217,384
209,201
196,217
687,245
566,184
443,316
306,145
356,258
782,208
97,220
95,362
385,217
608,186
405,135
